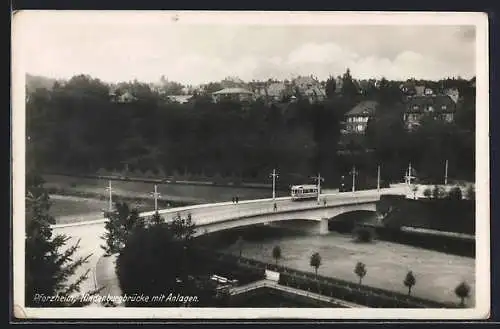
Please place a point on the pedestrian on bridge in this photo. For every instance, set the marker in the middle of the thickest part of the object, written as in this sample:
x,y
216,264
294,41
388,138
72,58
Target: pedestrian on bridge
x,y
324,202
236,199
275,207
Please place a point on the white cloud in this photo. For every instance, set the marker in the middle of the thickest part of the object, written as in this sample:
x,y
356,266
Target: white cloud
x,y
123,50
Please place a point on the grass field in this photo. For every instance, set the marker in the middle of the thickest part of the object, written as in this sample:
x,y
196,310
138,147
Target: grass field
x,y
172,192
67,209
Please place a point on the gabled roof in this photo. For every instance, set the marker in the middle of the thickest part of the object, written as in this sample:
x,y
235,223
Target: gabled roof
x,y
232,91
363,108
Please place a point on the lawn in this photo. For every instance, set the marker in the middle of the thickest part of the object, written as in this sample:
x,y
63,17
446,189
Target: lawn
x,y
72,209
172,192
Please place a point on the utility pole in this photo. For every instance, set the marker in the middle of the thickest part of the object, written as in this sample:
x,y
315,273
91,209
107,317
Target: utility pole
x,y
353,173
378,178
156,195
274,175
318,180
446,172
408,175
110,190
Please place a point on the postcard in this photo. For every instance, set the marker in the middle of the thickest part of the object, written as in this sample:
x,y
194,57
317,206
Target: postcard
x,y
248,165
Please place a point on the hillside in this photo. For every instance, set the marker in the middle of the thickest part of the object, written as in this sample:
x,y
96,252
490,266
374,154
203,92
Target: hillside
x,y
34,82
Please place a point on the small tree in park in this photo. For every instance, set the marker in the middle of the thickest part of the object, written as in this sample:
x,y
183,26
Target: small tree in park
x,y
360,271
409,281
462,291
156,219
277,254
315,262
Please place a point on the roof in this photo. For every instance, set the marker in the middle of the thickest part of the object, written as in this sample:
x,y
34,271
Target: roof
x,y
180,98
363,108
232,91
304,186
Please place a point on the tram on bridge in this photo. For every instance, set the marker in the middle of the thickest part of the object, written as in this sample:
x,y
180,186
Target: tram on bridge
x,y
304,192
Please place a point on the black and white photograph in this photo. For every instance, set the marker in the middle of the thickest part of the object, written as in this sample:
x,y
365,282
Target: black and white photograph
x,y
250,165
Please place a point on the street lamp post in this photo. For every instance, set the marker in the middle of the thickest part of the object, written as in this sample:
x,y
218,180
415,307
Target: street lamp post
x,y
408,176
353,173
156,195
274,175
378,178
318,180
446,172
110,190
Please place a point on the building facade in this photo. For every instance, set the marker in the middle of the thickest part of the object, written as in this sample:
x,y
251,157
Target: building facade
x,y
440,107
356,120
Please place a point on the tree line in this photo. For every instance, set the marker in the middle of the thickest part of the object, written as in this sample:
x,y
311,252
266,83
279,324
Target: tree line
x,y
79,127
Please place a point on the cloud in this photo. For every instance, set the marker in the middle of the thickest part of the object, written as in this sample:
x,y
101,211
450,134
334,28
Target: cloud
x,y
115,50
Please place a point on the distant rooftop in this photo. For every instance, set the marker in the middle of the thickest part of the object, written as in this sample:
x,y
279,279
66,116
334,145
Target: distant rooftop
x,y
363,108
233,91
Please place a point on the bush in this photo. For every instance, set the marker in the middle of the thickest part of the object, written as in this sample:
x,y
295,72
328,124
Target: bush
x,y
363,234
455,193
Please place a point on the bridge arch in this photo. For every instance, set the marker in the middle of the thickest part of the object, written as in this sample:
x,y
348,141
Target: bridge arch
x,y
322,215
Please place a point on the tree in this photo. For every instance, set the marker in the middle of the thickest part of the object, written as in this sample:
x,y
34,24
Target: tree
x,y
427,192
462,291
414,190
437,192
49,262
360,271
156,219
277,253
455,193
409,281
118,227
330,87
162,259
349,89
363,234
315,262
470,193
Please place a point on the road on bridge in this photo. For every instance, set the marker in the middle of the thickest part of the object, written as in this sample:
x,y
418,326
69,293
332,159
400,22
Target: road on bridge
x,y
89,233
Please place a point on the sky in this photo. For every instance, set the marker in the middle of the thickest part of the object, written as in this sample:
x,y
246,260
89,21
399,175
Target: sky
x,y
198,49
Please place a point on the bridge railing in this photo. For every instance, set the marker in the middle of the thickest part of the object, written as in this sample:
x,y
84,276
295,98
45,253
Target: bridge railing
x,y
235,211
209,213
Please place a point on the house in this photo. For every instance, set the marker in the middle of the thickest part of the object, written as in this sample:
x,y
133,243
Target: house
x,y
419,90
181,99
453,93
235,94
356,120
438,106
310,88
276,91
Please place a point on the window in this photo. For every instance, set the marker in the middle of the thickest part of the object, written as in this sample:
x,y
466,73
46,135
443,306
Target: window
x,y
443,107
415,107
359,128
